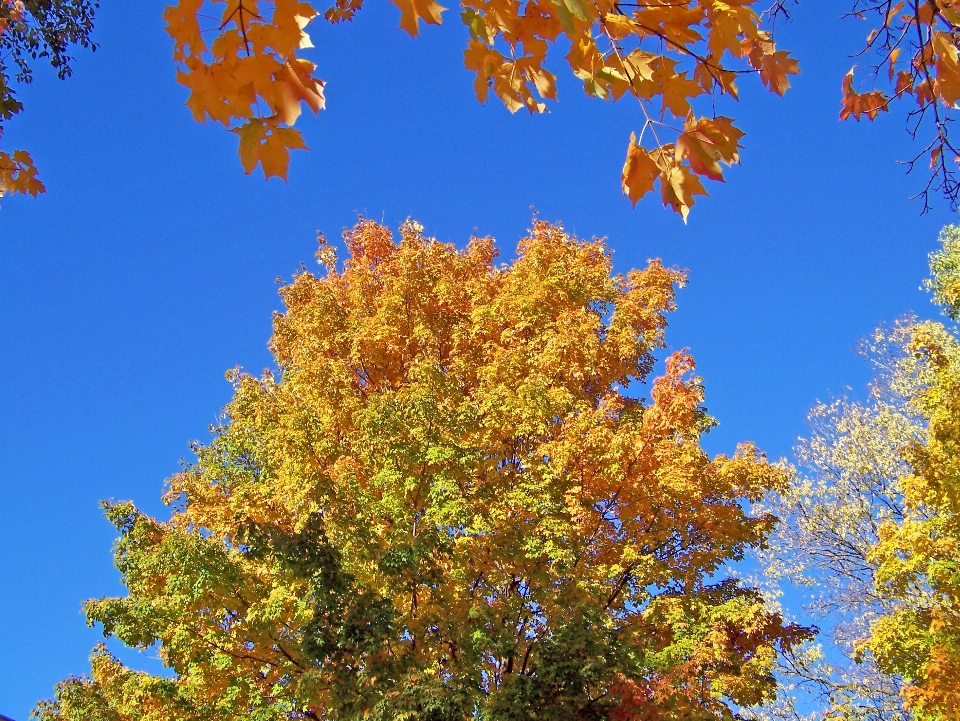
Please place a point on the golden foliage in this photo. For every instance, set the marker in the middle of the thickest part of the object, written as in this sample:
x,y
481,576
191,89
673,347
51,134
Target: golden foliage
x,y
445,505
664,54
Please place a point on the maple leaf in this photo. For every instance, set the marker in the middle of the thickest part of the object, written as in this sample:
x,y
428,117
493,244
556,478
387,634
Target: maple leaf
x,y
485,62
776,69
678,186
639,171
18,174
412,11
704,142
263,143
184,26
947,68
725,29
292,91
859,104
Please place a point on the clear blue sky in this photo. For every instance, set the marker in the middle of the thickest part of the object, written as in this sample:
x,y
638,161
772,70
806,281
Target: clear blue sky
x,y
149,267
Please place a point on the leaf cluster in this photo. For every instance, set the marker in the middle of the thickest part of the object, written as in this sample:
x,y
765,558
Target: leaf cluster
x,y
666,55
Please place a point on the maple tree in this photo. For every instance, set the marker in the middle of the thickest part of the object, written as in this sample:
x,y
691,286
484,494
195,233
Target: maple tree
x,y
445,505
871,527
30,30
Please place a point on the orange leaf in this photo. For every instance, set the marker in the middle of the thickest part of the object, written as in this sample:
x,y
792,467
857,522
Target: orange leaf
x,y
412,11
704,142
859,104
639,171
776,69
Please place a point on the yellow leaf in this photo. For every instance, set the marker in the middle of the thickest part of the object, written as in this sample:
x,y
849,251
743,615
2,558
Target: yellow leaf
x,y
677,187
412,11
263,143
639,171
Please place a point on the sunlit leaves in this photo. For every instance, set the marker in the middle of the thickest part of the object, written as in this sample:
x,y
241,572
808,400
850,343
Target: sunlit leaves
x,y
249,77
447,506
664,55
667,56
700,148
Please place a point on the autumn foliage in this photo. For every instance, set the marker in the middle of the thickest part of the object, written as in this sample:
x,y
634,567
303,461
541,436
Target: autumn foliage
x,y
917,554
447,505
870,526
666,55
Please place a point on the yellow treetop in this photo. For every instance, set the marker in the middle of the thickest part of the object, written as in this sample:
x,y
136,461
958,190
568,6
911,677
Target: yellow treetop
x,y
450,503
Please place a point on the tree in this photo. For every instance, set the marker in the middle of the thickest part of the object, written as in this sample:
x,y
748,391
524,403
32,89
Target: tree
x,y
920,641
30,30
870,525
445,505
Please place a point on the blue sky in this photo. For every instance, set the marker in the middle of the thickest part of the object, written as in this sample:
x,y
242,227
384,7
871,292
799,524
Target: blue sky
x,y
149,267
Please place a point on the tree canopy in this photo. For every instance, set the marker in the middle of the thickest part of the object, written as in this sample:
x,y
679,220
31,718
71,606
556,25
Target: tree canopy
x,y
445,504
871,524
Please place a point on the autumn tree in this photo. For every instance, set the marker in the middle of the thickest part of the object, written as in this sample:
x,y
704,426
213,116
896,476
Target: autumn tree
x,y
31,30
445,504
871,527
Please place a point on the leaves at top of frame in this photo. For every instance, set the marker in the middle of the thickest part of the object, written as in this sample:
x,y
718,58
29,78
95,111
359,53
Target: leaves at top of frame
x,y
248,78
911,53
667,56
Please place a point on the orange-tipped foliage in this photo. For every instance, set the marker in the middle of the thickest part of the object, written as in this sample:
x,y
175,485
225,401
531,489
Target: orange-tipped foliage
x,y
446,505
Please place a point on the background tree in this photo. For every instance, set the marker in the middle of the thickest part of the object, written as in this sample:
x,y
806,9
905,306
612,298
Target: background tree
x,y
869,533
31,30
446,506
